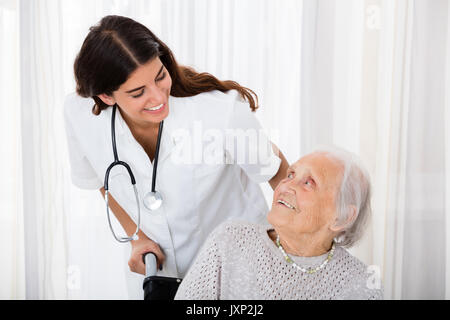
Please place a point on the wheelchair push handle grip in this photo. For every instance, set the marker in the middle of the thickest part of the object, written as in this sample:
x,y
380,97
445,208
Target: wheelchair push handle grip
x,y
150,264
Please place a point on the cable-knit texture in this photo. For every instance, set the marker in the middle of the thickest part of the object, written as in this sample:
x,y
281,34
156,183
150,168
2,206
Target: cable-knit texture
x,y
240,261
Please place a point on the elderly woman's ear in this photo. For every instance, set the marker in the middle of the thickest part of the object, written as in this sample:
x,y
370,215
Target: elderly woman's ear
x,y
341,226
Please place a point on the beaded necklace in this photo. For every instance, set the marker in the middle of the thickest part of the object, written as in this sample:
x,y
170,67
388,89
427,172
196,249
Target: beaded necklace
x,y
310,270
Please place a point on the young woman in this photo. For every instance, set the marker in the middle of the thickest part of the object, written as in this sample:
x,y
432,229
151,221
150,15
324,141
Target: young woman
x,y
124,67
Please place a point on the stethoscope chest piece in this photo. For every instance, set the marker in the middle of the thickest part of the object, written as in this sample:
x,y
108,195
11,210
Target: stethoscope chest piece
x,y
152,200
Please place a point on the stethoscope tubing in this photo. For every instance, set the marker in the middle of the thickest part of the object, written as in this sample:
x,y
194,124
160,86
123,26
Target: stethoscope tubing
x,y
155,161
133,180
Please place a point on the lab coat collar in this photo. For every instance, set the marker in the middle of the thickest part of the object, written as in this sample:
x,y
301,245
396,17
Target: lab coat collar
x,y
167,143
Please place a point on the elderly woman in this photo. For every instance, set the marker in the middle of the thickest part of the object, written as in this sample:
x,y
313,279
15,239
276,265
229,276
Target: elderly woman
x,y
318,209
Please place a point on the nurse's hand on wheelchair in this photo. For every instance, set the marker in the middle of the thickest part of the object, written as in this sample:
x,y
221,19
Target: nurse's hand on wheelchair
x,y
141,247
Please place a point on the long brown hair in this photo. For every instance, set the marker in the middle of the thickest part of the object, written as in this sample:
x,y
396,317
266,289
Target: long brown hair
x,y
117,46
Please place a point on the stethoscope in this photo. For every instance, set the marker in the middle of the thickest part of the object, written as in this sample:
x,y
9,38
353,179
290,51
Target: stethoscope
x,y
152,200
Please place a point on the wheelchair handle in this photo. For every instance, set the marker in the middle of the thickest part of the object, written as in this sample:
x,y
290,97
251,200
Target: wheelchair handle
x,y
150,264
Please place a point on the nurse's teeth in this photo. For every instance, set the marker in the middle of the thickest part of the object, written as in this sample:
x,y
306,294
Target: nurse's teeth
x,y
155,108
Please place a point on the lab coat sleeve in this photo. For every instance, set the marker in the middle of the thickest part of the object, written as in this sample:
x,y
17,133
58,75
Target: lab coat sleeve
x,y
247,145
82,173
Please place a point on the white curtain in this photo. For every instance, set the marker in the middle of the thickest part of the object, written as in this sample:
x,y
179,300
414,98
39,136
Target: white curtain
x,y
369,76
12,266
374,81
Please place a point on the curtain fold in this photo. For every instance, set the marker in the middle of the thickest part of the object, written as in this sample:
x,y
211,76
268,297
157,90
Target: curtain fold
x,y
424,177
12,246
397,117
447,160
41,92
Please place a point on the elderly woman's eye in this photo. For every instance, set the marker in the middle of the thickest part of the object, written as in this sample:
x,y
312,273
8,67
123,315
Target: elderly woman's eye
x,y
290,175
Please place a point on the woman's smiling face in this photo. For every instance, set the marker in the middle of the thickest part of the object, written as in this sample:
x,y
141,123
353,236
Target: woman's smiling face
x,y
144,98
304,202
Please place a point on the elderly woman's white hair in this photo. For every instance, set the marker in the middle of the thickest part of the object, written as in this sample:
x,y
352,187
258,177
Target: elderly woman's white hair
x,y
354,190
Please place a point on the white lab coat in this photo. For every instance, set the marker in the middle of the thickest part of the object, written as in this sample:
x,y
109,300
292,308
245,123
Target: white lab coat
x,y
197,194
